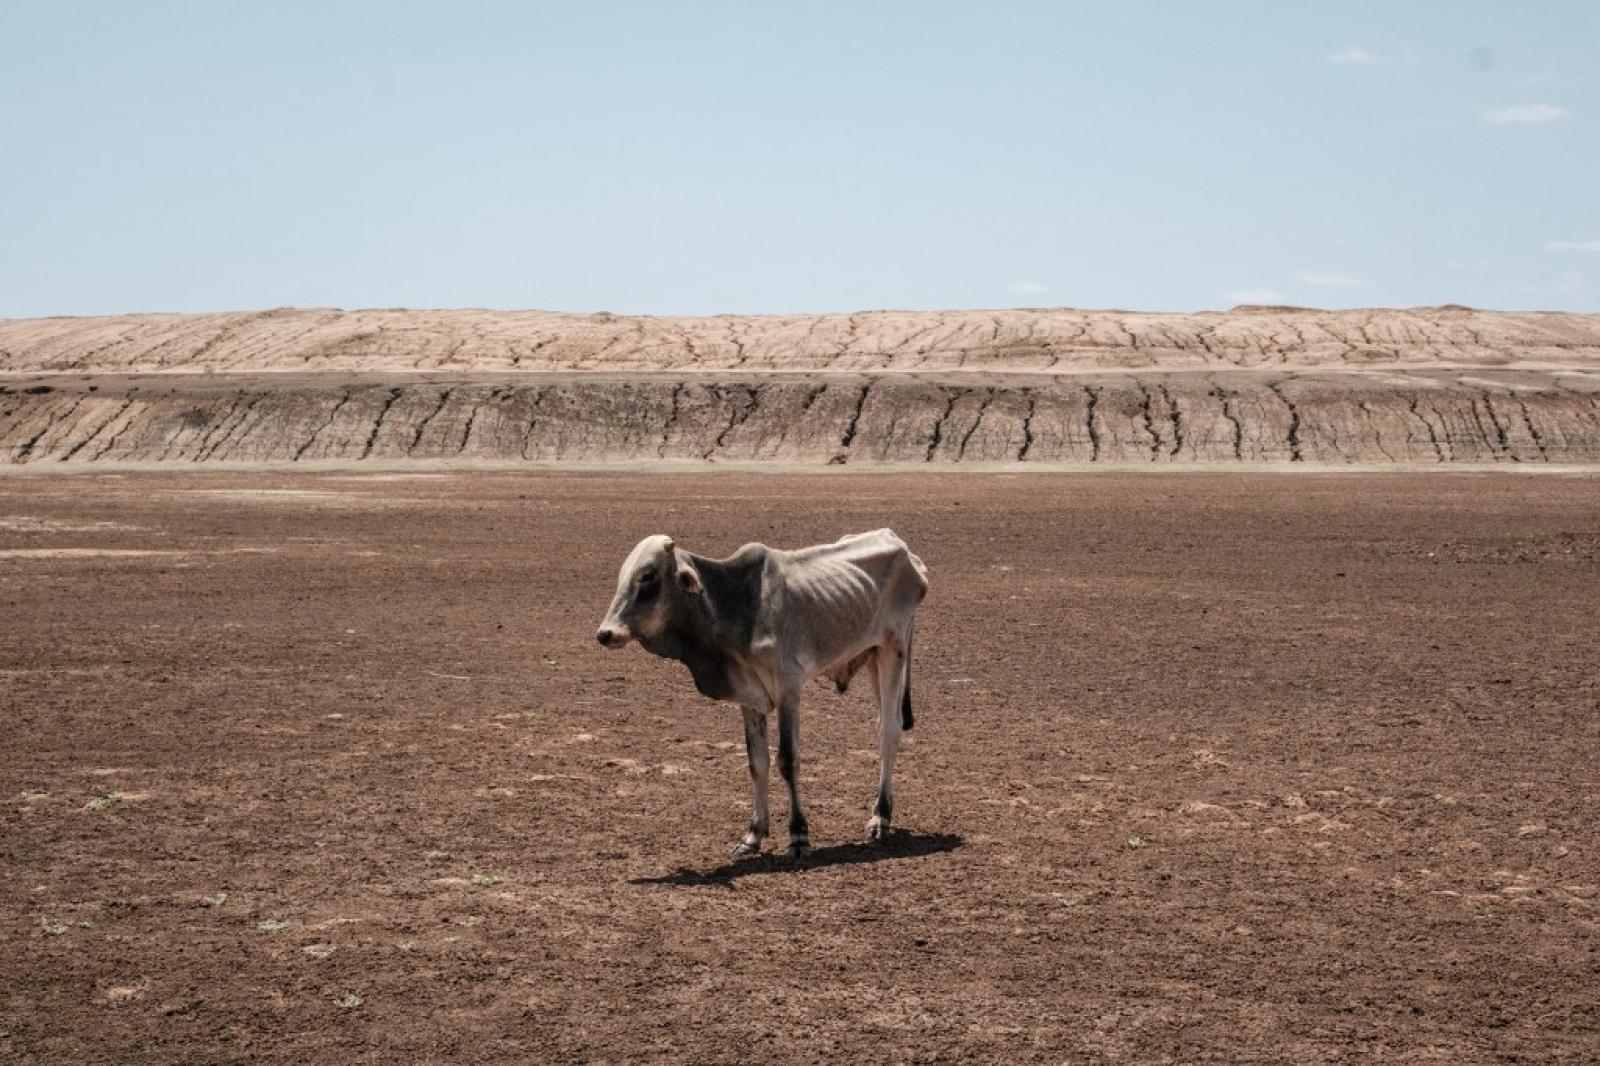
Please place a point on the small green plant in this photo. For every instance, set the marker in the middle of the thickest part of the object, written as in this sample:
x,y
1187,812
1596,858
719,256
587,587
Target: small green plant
x,y
100,801
350,1001
273,925
485,880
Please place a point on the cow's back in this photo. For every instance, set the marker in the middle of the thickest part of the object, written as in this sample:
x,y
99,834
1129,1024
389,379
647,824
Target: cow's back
x,y
843,597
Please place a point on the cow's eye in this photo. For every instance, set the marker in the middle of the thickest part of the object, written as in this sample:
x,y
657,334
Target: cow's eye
x,y
647,577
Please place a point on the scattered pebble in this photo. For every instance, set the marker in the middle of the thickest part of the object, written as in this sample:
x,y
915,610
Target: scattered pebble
x,y
121,993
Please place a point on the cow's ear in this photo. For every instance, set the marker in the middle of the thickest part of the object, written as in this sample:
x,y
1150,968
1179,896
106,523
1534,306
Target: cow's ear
x,y
689,579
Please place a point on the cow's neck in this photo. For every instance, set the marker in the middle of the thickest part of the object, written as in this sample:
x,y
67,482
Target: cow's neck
x,y
710,631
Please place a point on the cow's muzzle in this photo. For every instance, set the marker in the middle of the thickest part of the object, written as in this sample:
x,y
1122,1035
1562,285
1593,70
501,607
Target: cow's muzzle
x,y
612,636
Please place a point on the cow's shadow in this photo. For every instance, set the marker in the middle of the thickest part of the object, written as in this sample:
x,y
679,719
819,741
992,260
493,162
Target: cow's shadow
x,y
900,844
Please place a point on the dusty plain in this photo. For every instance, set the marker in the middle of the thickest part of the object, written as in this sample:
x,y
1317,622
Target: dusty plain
x,y
326,766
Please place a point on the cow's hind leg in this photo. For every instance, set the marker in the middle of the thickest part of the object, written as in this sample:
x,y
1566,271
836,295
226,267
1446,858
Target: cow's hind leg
x,y
789,767
890,666
755,746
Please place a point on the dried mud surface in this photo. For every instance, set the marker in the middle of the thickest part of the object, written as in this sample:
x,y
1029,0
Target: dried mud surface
x,y
1255,384
1040,340
1231,766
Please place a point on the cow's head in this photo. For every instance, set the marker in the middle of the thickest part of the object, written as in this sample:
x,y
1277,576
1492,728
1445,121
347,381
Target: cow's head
x,y
653,578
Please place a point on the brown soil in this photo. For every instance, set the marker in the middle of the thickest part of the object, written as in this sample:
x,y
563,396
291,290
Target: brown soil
x,y
328,767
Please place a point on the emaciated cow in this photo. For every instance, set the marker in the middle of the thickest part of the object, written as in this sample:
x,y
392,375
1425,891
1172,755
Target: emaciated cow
x,y
755,627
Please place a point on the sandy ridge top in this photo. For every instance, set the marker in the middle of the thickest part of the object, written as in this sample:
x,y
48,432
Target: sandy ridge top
x,y
314,340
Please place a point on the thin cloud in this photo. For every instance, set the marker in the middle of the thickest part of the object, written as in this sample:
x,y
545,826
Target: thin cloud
x,y
1565,285
1573,246
1334,278
1361,57
1027,287
1254,296
1524,115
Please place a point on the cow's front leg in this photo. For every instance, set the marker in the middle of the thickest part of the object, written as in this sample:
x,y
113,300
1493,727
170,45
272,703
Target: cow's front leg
x,y
755,746
789,766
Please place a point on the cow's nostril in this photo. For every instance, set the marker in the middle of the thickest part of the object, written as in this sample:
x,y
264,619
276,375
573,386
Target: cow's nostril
x,y
604,637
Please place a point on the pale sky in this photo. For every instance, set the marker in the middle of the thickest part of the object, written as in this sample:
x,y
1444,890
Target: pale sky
x,y
662,158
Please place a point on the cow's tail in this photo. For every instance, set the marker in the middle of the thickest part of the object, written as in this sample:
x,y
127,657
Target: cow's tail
x,y
907,720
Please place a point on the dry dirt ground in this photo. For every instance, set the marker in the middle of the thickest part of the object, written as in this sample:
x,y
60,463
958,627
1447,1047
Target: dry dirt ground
x,y
327,767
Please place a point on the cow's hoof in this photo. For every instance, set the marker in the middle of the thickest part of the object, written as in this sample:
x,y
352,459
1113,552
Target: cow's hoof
x,y
799,850
877,829
746,847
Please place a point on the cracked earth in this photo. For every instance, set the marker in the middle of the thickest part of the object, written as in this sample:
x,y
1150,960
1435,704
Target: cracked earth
x,y
1432,385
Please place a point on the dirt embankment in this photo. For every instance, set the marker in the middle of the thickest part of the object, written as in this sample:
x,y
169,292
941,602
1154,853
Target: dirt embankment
x,y
1432,385
1501,416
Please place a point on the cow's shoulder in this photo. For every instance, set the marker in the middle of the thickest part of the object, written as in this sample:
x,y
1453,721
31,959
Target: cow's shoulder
x,y
735,589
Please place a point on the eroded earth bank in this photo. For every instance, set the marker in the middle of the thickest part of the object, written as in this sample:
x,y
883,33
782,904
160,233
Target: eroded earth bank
x,y
1276,384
